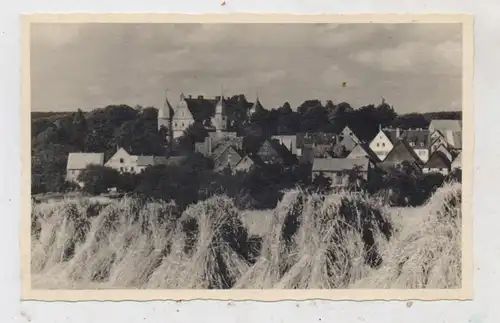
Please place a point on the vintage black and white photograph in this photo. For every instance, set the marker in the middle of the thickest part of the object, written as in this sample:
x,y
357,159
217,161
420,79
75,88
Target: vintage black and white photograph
x,y
218,156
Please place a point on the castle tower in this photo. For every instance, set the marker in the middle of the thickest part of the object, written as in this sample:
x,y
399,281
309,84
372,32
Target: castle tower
x,y
165,118
255,107
219,120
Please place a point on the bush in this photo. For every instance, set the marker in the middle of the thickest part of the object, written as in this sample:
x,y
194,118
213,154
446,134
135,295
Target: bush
x,y
98,179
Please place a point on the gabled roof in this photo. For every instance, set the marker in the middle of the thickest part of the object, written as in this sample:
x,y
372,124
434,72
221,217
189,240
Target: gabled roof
x,y
438,160
225,148
287,140
348,132
340,164
253,159
446,124
273,147
363,150
348,142
402,152
78,161
392,135
443,149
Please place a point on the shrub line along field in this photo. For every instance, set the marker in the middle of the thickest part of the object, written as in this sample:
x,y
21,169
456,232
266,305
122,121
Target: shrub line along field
x,y
340,240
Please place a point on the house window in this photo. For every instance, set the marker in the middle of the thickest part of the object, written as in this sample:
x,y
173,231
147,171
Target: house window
x,y
121,160
421,144
131,169
378,145
412,144
383,144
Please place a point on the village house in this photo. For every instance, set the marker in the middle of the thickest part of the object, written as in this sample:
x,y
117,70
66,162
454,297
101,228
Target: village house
x,y
77,162
318,140
340,170
271,151
437,163
384,141
449,130
247,163
124,162
348,143
362,150
229,157
401,154
437,140
420,141
444,150
213,142
289,141
347,132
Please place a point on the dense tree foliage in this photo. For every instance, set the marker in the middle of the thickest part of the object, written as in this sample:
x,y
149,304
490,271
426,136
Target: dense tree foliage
x,y
99,179
54,135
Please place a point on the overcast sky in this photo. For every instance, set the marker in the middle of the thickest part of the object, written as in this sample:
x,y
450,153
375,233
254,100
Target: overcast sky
x,y
415,67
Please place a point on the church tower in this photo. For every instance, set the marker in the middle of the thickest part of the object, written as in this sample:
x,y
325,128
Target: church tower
x,y
219,120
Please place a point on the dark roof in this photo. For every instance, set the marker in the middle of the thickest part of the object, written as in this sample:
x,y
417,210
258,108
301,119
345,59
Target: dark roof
x,y
272,147
203,108
438,160
315,138
421,138
256,160
340,164
402,152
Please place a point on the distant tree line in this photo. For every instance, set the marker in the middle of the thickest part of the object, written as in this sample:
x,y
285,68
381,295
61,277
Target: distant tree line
x,y
54,135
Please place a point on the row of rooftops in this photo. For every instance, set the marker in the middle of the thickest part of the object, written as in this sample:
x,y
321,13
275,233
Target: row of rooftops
x,y
80,160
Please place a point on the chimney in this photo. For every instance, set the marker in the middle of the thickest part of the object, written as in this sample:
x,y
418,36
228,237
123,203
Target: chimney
x,y
398,133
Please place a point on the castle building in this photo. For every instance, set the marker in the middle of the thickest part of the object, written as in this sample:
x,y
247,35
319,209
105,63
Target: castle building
x,y
175,121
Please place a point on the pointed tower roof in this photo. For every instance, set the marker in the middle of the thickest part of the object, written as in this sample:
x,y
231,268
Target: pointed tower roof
x,y
166,111
256,105
182,111
219,107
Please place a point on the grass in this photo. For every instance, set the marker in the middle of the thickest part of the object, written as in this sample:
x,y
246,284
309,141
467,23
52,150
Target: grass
x,y
308,241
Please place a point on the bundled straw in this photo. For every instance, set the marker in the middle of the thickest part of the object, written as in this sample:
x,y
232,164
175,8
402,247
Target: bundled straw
x,y
210,248
428,253
116,235
57,230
